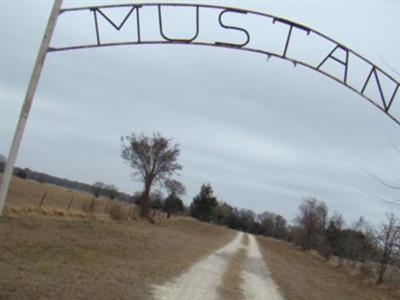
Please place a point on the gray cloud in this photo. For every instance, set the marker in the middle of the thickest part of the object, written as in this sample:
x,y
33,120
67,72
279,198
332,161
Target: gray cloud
x,y
264,134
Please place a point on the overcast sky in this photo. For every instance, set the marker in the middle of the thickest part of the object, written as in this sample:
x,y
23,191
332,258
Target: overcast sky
x,y
263,133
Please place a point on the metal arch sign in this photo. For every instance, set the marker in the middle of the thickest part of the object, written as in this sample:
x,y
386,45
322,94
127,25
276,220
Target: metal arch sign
x,y
375,85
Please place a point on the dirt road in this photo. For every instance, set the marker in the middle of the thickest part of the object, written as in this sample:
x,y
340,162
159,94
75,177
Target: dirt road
x,y
224,274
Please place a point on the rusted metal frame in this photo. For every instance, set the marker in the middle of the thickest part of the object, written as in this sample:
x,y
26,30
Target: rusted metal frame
x,y
289,22
112,22
344,63
287,41
393,95
227,46
346,66
57,10
279,19
160,23
117,27
386,106
96,25
373,71
380,90
291,25
138,24
349,50
234,28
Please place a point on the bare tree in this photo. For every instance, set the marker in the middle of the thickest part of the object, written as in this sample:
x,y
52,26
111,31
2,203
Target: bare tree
x,y
175,190
98,188
266,220
361,225
389,237
280,224
111,191
174,187
153,158
394,185
272,224
224,213
136,198
360,242
312,222
337,220
247,219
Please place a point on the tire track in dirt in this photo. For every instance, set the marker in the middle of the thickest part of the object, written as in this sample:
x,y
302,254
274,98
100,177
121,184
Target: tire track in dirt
x,y
202,280
235,271
257,281
230,287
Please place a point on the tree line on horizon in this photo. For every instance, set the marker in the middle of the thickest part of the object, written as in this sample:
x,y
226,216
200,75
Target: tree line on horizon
x,y
154,160
312,229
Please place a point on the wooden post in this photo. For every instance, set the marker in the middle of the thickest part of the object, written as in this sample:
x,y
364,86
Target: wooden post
x,y
106,207
91,205
42,201
70,203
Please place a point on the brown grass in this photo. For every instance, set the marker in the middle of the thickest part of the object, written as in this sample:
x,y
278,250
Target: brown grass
x,y
51,253
70,258
30,193
230,287
304,276
117,212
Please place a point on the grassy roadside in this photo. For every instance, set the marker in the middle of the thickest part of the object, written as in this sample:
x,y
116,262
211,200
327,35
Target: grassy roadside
x,y
76,258
26,192
48,253
230,288
302,276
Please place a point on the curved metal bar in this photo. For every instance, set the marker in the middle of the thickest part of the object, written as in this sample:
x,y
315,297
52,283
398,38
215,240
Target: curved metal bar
x,y
227,46
273,17
178,40
118,27
373,74
234,28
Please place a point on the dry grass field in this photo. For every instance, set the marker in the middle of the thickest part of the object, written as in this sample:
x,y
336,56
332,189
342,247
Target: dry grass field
x,y
30,193
77,258
50,253
302,276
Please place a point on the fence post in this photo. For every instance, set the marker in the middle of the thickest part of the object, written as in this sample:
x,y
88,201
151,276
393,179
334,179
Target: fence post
x,y
42,201
92,205
70,203
106,207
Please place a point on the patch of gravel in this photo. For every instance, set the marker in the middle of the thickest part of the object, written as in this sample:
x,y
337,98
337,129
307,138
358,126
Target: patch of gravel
x,y
236,271
202,280
257,282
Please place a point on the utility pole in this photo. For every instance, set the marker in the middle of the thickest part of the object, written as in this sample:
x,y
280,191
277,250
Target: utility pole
x,y
23,118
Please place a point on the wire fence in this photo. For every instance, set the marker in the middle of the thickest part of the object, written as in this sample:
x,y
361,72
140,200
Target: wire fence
x,y
73,201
